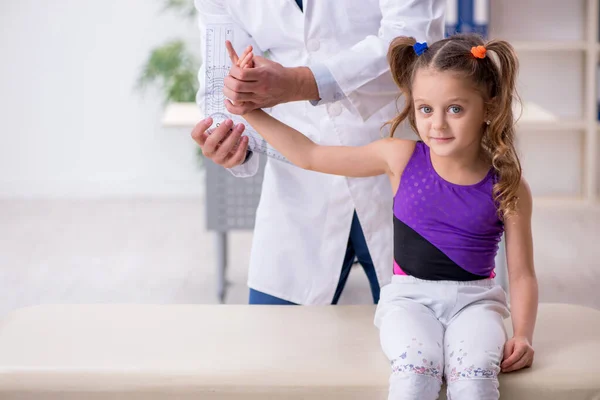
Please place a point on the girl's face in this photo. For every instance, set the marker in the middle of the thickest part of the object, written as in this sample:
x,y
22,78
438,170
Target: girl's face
x,y
449,112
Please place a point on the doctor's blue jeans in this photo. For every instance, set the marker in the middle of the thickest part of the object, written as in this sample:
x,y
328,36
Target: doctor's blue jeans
x,y
357,248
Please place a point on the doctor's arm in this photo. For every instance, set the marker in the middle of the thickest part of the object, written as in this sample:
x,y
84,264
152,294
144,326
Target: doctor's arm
x,y
268,84
362,72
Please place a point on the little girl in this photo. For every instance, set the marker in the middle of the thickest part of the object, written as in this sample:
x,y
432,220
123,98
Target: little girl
x,y
456,192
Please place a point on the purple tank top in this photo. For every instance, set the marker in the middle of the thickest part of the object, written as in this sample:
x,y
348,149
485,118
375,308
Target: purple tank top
x,y
443,230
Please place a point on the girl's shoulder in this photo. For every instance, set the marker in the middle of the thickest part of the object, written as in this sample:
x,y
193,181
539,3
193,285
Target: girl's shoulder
x,y
399,153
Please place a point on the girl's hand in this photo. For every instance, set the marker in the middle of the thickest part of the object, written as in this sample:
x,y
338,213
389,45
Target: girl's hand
x,y
246,59
518,354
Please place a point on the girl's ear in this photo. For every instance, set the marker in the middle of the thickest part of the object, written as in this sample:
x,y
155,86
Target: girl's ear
x,y
490,109
487,117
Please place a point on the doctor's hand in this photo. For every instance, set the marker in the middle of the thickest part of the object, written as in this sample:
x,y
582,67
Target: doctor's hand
x,y
265,84
225,145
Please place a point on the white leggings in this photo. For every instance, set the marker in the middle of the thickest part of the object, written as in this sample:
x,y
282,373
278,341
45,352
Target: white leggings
x,y
435,329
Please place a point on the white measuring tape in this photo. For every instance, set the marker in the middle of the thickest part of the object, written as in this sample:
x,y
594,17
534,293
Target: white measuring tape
x,y
217,65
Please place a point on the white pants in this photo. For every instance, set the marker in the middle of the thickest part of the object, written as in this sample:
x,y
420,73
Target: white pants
x,y
435,329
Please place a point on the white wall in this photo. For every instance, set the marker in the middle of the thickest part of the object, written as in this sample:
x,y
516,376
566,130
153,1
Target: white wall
x,y
72,123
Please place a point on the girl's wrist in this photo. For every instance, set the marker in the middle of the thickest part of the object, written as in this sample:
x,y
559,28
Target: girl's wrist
x,y
527,337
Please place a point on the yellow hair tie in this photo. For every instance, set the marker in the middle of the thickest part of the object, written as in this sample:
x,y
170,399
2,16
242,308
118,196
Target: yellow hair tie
x,y
478,51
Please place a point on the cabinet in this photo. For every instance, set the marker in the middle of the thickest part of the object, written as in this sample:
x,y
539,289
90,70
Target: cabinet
x,y
557,134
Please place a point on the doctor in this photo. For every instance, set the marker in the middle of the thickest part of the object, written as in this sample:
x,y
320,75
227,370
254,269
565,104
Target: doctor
x,y
327,76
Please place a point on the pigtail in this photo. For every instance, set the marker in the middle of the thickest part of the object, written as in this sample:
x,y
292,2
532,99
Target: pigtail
x,y
499,138
401,57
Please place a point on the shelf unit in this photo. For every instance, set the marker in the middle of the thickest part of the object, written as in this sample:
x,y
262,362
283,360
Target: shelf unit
x,y
588,48
558,125
575,45
590,147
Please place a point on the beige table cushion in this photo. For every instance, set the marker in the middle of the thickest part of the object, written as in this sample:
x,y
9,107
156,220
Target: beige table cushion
x,y
251,352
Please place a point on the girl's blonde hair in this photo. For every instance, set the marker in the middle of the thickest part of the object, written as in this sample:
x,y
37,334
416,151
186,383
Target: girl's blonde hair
x,y
495,79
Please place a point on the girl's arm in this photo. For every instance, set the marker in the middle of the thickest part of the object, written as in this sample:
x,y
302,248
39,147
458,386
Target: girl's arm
x,y
384,156
518,352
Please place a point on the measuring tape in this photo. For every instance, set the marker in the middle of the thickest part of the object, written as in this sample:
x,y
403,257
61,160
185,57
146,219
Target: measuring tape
x,y
217,65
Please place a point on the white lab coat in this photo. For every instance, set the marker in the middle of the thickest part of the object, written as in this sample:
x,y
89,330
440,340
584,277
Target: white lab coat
x,y
303,219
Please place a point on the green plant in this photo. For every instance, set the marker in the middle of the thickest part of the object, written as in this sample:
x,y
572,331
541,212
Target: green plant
x,y
174,70
184,7
172,67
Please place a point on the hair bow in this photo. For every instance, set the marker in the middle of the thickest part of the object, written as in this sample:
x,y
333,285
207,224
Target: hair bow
x,y
420,48
478,51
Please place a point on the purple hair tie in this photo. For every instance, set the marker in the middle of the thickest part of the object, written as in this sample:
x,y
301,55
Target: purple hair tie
x,y
420,48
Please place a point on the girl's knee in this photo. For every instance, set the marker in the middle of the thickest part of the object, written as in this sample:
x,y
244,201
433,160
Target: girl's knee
x,y
465,362
416,373
417,358
466,366
472,371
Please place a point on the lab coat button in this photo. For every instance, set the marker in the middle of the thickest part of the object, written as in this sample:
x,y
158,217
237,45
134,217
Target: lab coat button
x,y
313,45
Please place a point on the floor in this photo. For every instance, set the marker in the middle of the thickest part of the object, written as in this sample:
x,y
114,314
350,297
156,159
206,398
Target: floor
x,y
157,251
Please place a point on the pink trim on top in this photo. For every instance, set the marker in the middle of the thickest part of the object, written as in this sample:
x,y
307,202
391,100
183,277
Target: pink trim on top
x,y
397,269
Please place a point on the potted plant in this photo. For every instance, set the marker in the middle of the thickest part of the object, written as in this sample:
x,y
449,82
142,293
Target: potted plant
x,y
173,68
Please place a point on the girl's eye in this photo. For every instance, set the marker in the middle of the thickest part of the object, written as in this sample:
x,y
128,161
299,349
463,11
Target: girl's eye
x,y
425,109
455,109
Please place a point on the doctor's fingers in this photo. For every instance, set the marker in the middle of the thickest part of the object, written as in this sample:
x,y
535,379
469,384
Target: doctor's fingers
x,y
238,86
229,145
247,74
237,97
238,153
239,156
214,139
199,133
